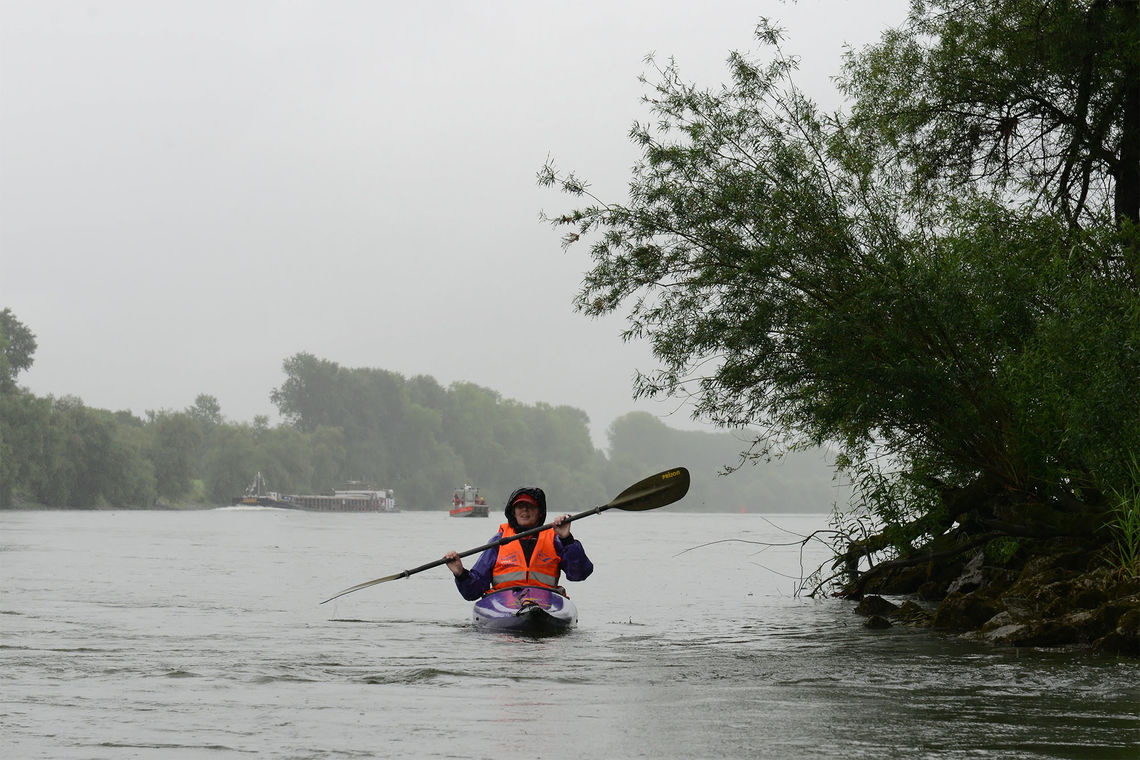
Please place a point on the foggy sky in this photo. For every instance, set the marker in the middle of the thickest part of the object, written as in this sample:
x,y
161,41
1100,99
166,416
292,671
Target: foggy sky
x,y
190,192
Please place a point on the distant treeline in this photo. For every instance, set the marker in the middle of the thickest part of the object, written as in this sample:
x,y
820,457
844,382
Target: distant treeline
x,y
411,435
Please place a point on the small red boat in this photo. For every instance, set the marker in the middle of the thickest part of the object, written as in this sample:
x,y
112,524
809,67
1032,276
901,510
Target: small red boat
x,y
466,502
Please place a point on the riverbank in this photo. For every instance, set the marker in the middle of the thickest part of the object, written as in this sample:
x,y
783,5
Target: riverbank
x,y
1038,593
25,505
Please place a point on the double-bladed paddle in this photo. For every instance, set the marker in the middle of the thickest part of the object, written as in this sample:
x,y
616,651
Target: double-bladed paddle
x,y
651,493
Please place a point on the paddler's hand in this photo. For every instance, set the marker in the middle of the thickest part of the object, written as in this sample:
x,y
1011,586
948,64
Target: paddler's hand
x,y
562,526
454,563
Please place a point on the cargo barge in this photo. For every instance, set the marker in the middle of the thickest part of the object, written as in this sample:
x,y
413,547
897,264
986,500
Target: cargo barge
x,y
356,496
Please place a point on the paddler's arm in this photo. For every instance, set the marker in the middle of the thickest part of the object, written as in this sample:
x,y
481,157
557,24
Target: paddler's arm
x,y
576,566
474,582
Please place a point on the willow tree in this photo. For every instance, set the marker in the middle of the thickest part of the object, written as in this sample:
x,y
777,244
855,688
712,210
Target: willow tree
x,y
940,281
1038,98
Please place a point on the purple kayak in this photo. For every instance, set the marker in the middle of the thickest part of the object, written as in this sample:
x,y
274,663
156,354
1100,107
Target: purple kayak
x,y
525,609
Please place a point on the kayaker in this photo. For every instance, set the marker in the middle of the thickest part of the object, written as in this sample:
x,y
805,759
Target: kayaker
x,y
531,561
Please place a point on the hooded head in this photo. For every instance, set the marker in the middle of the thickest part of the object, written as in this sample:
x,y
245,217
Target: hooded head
x,y
527,493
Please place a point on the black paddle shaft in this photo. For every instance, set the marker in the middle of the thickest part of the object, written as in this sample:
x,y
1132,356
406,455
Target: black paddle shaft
x,y
652,492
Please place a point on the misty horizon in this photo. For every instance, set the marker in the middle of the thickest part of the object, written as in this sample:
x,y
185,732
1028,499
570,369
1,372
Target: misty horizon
x,y
192,192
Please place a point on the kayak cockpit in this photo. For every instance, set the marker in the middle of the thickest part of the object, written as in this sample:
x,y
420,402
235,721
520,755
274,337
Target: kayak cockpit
x,y
525,609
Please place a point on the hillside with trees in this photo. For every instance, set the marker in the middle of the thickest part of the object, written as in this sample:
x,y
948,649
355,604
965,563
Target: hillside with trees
x,y
340,424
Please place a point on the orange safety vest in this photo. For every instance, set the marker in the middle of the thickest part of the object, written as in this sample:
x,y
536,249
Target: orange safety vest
x,y
511,569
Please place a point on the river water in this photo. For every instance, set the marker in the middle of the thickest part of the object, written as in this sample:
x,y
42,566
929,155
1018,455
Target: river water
x,y
200,634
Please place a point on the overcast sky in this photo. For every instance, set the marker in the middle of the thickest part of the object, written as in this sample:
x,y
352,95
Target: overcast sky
x,y
190,192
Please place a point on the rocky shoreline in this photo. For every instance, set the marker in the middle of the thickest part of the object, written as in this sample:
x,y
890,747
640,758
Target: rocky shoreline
x,y
1044,593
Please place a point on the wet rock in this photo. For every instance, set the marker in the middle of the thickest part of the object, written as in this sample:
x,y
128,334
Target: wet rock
x,y
1125,637
1109,616
876,605
972,577
1019,607
877,621
1037,633
913,613
1004,635
1130,621
1047,633
1048,592
931,591
1003,619
1051,606
1056,599
964,612
929,579
1118,643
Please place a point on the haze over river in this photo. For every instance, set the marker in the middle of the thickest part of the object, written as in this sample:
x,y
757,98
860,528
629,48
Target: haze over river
x,y
200,634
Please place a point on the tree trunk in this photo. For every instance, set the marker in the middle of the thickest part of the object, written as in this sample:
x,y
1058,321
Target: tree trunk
x,y
1127,199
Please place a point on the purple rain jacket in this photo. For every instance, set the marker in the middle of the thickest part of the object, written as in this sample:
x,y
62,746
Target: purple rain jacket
x,y
573,563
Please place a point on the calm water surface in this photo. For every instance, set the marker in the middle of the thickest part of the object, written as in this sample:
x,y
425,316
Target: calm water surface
x,y
199,634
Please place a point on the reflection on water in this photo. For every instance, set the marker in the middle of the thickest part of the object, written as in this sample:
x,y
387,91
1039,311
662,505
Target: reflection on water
x,y
160,634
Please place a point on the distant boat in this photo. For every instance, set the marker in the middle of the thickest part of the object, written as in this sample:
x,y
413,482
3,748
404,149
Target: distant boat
x,y
466,502
356,496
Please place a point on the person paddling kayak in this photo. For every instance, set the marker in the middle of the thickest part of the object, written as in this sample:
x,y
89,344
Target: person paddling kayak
x,y
531,561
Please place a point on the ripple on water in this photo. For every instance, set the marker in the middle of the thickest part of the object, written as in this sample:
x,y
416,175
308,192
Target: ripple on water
x,y
98,663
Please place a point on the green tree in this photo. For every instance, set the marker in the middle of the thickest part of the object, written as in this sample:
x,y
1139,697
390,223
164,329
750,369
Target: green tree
x,y
879,282
1038,99
120,472
23,422
53,477
468,427
17,348
304,398
206,411
230,463
82,457
327,457
175,450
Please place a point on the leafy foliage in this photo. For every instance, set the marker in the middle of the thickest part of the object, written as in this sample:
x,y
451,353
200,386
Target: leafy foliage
x,y
1124,522
960,318
1039,98
17,347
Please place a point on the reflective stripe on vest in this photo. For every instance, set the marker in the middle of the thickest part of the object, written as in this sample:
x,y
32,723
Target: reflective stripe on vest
x,y
512,569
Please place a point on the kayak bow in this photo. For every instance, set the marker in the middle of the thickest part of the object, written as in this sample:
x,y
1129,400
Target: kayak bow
x,y
525,609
